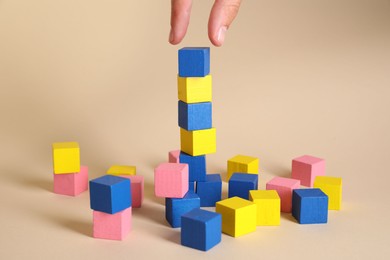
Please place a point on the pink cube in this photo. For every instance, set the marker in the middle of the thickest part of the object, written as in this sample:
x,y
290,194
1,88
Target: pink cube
x,y
284,187
111,226
137,189
71,184
173,156
306,168
171,180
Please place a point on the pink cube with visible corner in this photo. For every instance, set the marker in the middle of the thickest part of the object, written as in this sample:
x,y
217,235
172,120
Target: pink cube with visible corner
x,y
306,168
112,226
171,180
284,187
137,189
173,156
71,184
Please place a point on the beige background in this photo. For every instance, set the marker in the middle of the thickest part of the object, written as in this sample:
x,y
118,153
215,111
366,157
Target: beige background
x,y
294,77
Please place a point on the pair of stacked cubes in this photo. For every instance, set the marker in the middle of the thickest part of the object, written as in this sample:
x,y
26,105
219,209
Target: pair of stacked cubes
x,y
70,178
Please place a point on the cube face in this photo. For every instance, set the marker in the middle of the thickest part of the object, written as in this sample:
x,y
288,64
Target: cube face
x,y
331,186
173,156
201,229
196,166
112,226
66,157
268,207
71,184
306,168
310,206
199,142
244,164
284,187
110,194
175,208
210,190
194,61
192,186
196,116
195,89
241,183
137,189
171,180
122,170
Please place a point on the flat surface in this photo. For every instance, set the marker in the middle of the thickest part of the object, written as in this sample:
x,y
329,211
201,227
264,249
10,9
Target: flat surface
x,y
294,77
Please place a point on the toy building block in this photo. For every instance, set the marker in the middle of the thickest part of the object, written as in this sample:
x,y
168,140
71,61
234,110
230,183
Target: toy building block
x,y
112,226
194,61
242,163
110,194
173,156
310,206
71,184
284,187
196,116
192,186
210,190
198,142
239,216
268,207
137,189
196,166
241,183
201,229
195,90
306,168
175,208
171,180
122,170
66,157
331,186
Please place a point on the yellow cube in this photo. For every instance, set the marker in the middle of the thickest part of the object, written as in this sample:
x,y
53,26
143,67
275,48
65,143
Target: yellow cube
x,y
122,170
242,164
198,142
268,207
239,216
194,89
331,186
66,157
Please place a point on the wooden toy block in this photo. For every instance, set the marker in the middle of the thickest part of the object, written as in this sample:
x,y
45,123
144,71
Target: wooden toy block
x,y
198,142
239,216
194,61
110,194
192,186
331,186
310,206
306,168
122,170
71,184
112,226
201,229
171,180
66,157
196,166
210,190
195,90
137,189
243,164
175,208
173,156
268,207
241,183
195,116
284,187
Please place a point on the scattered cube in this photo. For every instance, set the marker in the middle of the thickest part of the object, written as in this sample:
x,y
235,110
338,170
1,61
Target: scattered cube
x,y
239,216
173,156
137,189
112,226
331,186
66,157
201,229
175,208
284,187
196,166
209,191
198,142
268,207
195,89
122,170
194,61
310,206
306,168
241,183
71,184
242,163
195,116
171,180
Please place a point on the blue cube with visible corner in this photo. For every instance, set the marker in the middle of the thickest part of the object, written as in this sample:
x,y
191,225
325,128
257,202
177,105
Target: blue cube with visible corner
x,y
194,61
196,166
196,116
241,183
209,191
310,206
175,208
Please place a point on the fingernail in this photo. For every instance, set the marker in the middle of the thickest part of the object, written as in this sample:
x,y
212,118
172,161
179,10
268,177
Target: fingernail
x,y
221,34
171,36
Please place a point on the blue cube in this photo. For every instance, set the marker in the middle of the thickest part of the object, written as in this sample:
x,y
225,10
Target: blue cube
x,y
310,206
209,191
196,116
196,166
175,208
110,194
241,183
194,61
201,229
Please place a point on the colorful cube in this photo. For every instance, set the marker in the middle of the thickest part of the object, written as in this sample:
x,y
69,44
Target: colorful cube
x,y
241,183
112,226
198,142
175,208
284,187
201,229
331,186
306,168
239,216
122,170
66,157
242,163
195,90
195,116
173,156
171,180
71,184
137,189
194,61
209,191
268,207
196,166
310,206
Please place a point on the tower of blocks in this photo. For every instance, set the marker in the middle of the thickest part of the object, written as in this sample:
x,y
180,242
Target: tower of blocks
x,y
70,178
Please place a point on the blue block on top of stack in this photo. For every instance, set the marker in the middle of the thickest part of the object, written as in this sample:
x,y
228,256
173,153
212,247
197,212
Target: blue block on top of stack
x,y
175,208
209,191
241,183
196,166
196,116
194,61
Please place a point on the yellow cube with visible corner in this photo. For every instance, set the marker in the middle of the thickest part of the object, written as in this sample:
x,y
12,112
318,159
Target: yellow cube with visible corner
x,y
66,157
122,170
242,164
268,207
194,89
331,186
239,216
198,142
